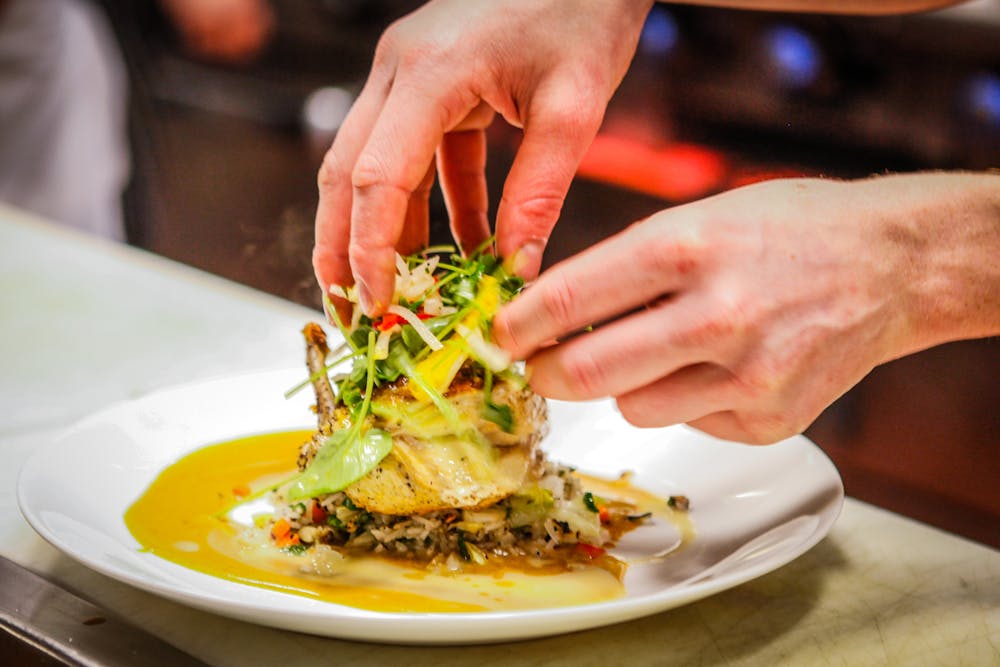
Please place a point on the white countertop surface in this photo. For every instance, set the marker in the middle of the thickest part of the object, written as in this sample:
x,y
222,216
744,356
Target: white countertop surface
x,y
84,323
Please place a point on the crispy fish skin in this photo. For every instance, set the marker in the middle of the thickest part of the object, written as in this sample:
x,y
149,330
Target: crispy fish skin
x,y
316,353
420,476
328,417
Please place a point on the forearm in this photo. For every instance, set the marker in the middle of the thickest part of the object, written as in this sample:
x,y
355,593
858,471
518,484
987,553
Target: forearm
x,y
943,229
871,7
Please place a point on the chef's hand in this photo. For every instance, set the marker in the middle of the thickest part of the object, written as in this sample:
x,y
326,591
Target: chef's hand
x,y
438,78
746,314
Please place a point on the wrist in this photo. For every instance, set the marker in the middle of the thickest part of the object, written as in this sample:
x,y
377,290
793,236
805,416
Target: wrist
x,y
941,234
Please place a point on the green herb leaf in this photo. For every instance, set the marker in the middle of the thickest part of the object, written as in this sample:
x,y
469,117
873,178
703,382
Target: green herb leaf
x,y
360,336
347,456
500,414
488,263
386,371
411,339
463,291
511,285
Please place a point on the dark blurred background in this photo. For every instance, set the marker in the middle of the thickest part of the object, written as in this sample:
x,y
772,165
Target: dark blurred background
x,y
225,158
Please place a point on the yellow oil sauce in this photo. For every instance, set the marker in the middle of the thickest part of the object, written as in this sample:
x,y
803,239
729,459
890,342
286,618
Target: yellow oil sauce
x,y
181,517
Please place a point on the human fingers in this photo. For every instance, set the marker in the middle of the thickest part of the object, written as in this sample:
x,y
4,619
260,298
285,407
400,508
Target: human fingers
x,y
710,398
330,257
629,353
688,394
633,268
561,120
748,428
461,162
388,170
416,226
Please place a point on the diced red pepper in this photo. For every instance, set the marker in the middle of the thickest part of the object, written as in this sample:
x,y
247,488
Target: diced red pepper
x,y
388,321
603,514
241,491
318,514
590,550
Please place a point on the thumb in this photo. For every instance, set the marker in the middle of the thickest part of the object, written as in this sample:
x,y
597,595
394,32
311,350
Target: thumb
x,y
560,125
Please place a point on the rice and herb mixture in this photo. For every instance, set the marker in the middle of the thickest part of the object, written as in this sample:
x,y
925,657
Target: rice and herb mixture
x,y
550,522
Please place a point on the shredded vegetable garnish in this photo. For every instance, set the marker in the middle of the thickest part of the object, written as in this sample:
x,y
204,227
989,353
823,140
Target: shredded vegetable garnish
x,y
438,322
414,321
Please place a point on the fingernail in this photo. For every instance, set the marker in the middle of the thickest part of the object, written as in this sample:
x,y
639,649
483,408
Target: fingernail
x,y
527,261
327,307
365,297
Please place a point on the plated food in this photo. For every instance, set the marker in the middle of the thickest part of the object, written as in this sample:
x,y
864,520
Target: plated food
x,y
423,487
427,446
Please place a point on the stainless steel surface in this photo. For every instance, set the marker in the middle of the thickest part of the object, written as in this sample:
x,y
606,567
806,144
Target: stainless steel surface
x,y
62,628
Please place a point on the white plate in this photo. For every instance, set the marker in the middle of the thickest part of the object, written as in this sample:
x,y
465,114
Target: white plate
x,y
754,508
